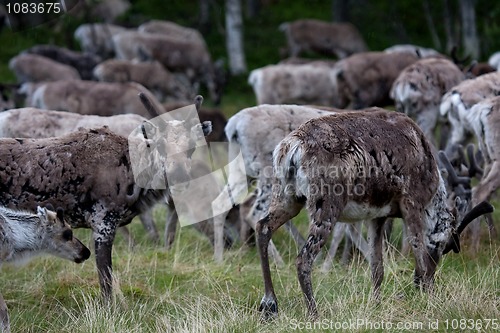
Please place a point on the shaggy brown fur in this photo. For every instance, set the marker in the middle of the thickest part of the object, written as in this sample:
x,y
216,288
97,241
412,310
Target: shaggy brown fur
x,y
419,87
358,166
365,79
87,173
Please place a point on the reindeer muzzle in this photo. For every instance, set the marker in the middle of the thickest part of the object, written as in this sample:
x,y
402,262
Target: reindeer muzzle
x,y
84,255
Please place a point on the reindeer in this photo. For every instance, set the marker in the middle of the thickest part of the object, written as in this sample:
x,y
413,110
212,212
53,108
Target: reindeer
x,y
171,29
457,103
36,68
24,235
90,97
282,84
82,62
151,75
360,166
486,127
190,58
365,79
331,39
96,38
419,87
413,49
89,174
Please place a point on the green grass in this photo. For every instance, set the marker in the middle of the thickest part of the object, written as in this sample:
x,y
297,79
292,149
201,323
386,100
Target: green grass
x,y
183,290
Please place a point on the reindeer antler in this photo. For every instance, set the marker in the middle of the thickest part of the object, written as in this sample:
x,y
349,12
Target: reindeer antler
x,y
198,100
453,179
148,105
474,168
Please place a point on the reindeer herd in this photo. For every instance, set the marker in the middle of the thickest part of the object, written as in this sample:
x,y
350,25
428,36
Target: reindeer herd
x,y
336,152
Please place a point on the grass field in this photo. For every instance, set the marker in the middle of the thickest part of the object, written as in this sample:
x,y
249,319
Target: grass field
x,y
183,290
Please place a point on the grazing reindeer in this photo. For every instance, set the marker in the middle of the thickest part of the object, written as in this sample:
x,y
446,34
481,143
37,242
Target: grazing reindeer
x,y
360,166
24,235
89,173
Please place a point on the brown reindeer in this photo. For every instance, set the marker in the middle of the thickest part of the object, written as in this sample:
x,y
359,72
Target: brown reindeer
x,y
89,174
360,166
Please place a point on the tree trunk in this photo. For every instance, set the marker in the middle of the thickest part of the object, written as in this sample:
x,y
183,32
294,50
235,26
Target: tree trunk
x,y
432,27
204,16
340,10
234,37
448,26
469,31
253,8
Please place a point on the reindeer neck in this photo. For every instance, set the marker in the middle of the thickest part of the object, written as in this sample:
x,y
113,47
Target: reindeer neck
x,y
439,219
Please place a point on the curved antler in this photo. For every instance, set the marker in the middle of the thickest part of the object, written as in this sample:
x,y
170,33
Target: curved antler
x,y
478,210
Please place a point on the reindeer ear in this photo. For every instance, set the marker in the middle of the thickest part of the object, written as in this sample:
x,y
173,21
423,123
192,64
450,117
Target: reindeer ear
x,y
41,212
206,126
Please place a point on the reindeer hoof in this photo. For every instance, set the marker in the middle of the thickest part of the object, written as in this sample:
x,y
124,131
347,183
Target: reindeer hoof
x,y
269,309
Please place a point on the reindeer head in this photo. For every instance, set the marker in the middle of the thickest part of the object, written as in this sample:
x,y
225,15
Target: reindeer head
x,y
58,237
460,195
161,149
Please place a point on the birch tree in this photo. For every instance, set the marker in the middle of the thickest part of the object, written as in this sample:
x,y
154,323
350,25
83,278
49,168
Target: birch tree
x,y
469,32
234,37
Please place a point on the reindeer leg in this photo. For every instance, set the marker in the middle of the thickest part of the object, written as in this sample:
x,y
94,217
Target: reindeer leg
x,y
103,232
260,206
347,252
219,236
405,245
4,316
323,216
170,226
425,264
376,238
354,233
280,211
338,235
294,232
246,231
149,225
